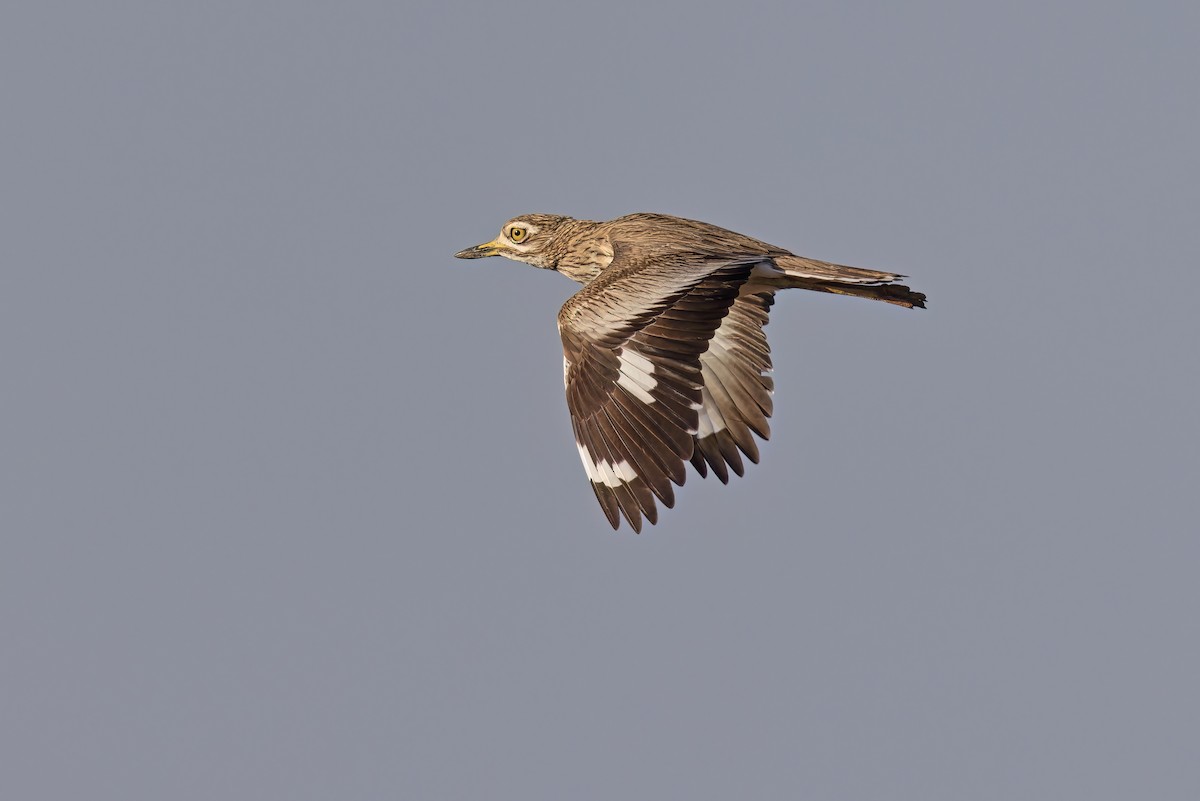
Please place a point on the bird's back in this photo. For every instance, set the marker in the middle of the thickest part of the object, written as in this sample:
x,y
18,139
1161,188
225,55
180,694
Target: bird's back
x,y
647,235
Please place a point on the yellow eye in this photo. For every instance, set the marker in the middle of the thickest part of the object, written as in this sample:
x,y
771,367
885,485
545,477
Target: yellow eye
x,y
516,233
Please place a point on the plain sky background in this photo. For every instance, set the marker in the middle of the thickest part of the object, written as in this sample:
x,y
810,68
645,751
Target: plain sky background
x,y
289,500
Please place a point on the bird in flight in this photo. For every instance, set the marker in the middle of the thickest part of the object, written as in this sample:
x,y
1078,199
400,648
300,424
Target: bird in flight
x,y
665,359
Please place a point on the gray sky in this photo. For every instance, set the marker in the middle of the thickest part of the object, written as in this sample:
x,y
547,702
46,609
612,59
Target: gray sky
x,y
291,506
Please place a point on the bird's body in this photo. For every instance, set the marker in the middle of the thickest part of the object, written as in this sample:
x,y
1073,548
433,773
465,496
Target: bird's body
x,y
665,359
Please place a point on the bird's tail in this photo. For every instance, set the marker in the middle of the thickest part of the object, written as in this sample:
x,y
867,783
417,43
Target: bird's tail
x,y
822,276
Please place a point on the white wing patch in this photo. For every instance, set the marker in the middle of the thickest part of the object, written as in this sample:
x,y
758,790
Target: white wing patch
x,y
602,472
766,270
637,375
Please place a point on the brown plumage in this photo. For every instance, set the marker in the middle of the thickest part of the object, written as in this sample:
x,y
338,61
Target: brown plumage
x,y
665,359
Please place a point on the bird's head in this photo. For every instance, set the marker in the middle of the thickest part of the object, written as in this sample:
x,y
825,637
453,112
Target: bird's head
x,y
529,238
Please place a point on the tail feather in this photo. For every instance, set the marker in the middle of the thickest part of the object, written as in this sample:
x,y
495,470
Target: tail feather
x,y
898,294
823,276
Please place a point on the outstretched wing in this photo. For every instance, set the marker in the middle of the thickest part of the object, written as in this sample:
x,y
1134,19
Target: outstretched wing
x,y
736,396
632,345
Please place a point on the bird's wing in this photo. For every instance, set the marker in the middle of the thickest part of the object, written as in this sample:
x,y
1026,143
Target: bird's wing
x,y
632,341
736,396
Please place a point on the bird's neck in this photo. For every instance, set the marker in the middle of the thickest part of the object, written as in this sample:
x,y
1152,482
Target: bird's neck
x,y
584,251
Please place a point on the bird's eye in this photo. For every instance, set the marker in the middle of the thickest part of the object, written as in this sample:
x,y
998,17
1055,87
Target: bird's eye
x,y
516,233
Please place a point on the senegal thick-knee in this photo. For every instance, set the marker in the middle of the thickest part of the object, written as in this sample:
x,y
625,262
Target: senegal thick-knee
x,y
664,355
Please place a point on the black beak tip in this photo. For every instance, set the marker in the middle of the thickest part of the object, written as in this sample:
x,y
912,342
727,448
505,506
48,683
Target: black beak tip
x,y
477,252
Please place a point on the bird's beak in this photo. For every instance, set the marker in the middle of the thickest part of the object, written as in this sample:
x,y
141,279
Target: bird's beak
x,y
479,251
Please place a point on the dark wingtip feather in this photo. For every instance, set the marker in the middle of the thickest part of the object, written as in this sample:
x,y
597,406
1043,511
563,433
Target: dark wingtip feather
x,y
608,503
